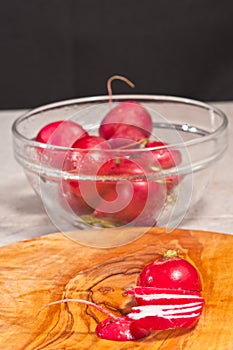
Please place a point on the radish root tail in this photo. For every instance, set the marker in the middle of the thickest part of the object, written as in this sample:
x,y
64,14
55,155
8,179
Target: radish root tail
x,y
115,77
81,301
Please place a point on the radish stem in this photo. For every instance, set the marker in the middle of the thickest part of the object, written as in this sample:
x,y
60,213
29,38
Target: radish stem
x,y
171,253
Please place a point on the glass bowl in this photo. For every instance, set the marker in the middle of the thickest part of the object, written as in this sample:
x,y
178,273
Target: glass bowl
x,y
126,184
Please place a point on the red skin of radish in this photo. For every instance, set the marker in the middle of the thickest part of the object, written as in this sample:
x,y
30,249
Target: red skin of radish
x,y
172,181
127,135
91,141
126,113
60,133
166,158
131,197
137,202
173,286
170,273
81,160
82,153
120,330
121,166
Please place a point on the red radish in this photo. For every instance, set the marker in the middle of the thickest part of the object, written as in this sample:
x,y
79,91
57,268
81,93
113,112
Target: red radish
x,y
131,198
124,166
170,271
86,156
84,159
61,133
124,116
161,317
172,181
129,113
116,167
163,308
157,308
165,157
127,135
168,295
91,141
116,328
139,202
121,329
83,148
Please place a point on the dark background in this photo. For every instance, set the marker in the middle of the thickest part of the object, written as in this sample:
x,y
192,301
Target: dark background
x,y
53,49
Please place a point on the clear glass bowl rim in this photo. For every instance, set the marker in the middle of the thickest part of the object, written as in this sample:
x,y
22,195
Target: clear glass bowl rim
x,y
119,98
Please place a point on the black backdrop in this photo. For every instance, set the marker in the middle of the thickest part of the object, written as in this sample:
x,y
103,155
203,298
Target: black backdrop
x,y
53,49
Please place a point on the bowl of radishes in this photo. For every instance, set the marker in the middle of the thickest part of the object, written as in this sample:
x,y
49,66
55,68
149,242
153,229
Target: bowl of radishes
x,y
129,160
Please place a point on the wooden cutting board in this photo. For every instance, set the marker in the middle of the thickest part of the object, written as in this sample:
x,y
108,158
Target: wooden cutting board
x,y
38,271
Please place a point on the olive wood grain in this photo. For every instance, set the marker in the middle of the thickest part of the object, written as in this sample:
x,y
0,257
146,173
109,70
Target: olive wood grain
x,y
38,271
